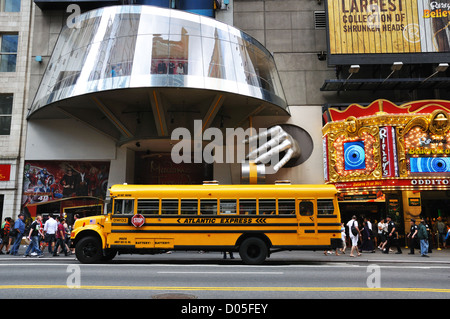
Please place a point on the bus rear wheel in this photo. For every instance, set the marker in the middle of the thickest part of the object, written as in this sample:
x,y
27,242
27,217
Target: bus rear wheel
x,y
253,251
88,250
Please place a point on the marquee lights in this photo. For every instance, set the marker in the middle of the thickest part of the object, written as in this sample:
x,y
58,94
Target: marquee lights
x,y
401,151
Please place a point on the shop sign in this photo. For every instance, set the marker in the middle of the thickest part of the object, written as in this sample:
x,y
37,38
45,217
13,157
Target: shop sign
x,y
418,183
388,152
5,172
413,201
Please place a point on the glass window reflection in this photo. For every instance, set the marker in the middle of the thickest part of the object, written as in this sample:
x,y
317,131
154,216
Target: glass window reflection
x,y
180,23
130,45
218,59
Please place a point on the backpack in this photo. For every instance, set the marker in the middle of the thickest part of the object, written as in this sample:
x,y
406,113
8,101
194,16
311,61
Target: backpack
x,y
353,229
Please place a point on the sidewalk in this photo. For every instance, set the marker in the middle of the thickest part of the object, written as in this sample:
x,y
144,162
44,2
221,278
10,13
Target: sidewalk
x,y
436,257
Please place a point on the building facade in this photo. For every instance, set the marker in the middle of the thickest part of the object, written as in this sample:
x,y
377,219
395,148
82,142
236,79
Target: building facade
x,y
87,118
16,20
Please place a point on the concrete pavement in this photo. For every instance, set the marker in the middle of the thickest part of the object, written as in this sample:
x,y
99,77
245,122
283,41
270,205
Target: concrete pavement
x,y
285,257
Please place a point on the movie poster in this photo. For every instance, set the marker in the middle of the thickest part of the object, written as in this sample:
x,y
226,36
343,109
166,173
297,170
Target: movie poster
x,y
46,181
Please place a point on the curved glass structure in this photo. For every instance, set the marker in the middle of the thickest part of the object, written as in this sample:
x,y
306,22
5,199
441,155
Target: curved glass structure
x,y
126,47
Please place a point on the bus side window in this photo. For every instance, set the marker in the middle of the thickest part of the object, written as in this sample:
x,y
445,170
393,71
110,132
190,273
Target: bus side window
x,y
124,206
286,207
189,207
228,206
247,207
325,207
208,206
306,208
267,207
148,206
169,206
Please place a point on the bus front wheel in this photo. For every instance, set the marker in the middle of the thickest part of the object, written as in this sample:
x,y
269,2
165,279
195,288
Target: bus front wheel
x,y
253,251
88,250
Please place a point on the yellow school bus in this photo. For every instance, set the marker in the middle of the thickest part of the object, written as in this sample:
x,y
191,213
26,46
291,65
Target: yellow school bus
x,y
255,220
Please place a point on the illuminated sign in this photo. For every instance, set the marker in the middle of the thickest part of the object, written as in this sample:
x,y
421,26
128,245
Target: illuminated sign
x,y
388,152
387,26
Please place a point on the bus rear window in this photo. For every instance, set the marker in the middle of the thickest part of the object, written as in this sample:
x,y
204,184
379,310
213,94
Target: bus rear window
x,y
306,208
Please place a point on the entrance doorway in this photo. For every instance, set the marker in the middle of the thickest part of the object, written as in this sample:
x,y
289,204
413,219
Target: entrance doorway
x,y
160,169
435,204
374,211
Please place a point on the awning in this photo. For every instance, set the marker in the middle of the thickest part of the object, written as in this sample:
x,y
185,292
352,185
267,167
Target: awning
x,y
385,84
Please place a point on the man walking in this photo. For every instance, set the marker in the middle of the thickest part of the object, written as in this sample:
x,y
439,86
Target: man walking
x,y
19,227
413,236
60,236
422,234
33,236
391,236
50,228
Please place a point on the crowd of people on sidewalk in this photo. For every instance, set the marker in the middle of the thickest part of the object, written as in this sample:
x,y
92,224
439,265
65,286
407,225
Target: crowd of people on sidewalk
x,y
54,234
363,236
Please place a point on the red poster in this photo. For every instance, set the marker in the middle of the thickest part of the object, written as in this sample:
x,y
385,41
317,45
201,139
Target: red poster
x,y
5,172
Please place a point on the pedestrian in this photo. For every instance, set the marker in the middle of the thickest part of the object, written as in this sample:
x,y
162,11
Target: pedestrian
x,y
413,241
367,243
225,255
448,234
430,235
381,234
67,237
60,238
33,236
72,227
354,233
441,232
392,236
19,230
343,238
50,228
422,234
6,228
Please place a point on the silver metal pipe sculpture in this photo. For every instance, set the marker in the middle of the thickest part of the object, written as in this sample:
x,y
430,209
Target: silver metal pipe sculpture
x,y
279,141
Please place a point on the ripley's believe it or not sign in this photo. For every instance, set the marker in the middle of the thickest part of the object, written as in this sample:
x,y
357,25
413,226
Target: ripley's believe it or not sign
x,y
388,26
386,146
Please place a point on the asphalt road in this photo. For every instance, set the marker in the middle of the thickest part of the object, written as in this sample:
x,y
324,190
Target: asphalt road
x,y
287,275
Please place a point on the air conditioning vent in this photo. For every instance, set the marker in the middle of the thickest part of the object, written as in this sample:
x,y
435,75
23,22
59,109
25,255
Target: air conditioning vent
x,y
320,20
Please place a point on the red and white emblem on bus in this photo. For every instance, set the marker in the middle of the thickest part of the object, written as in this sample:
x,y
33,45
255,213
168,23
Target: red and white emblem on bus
x,y
137,220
